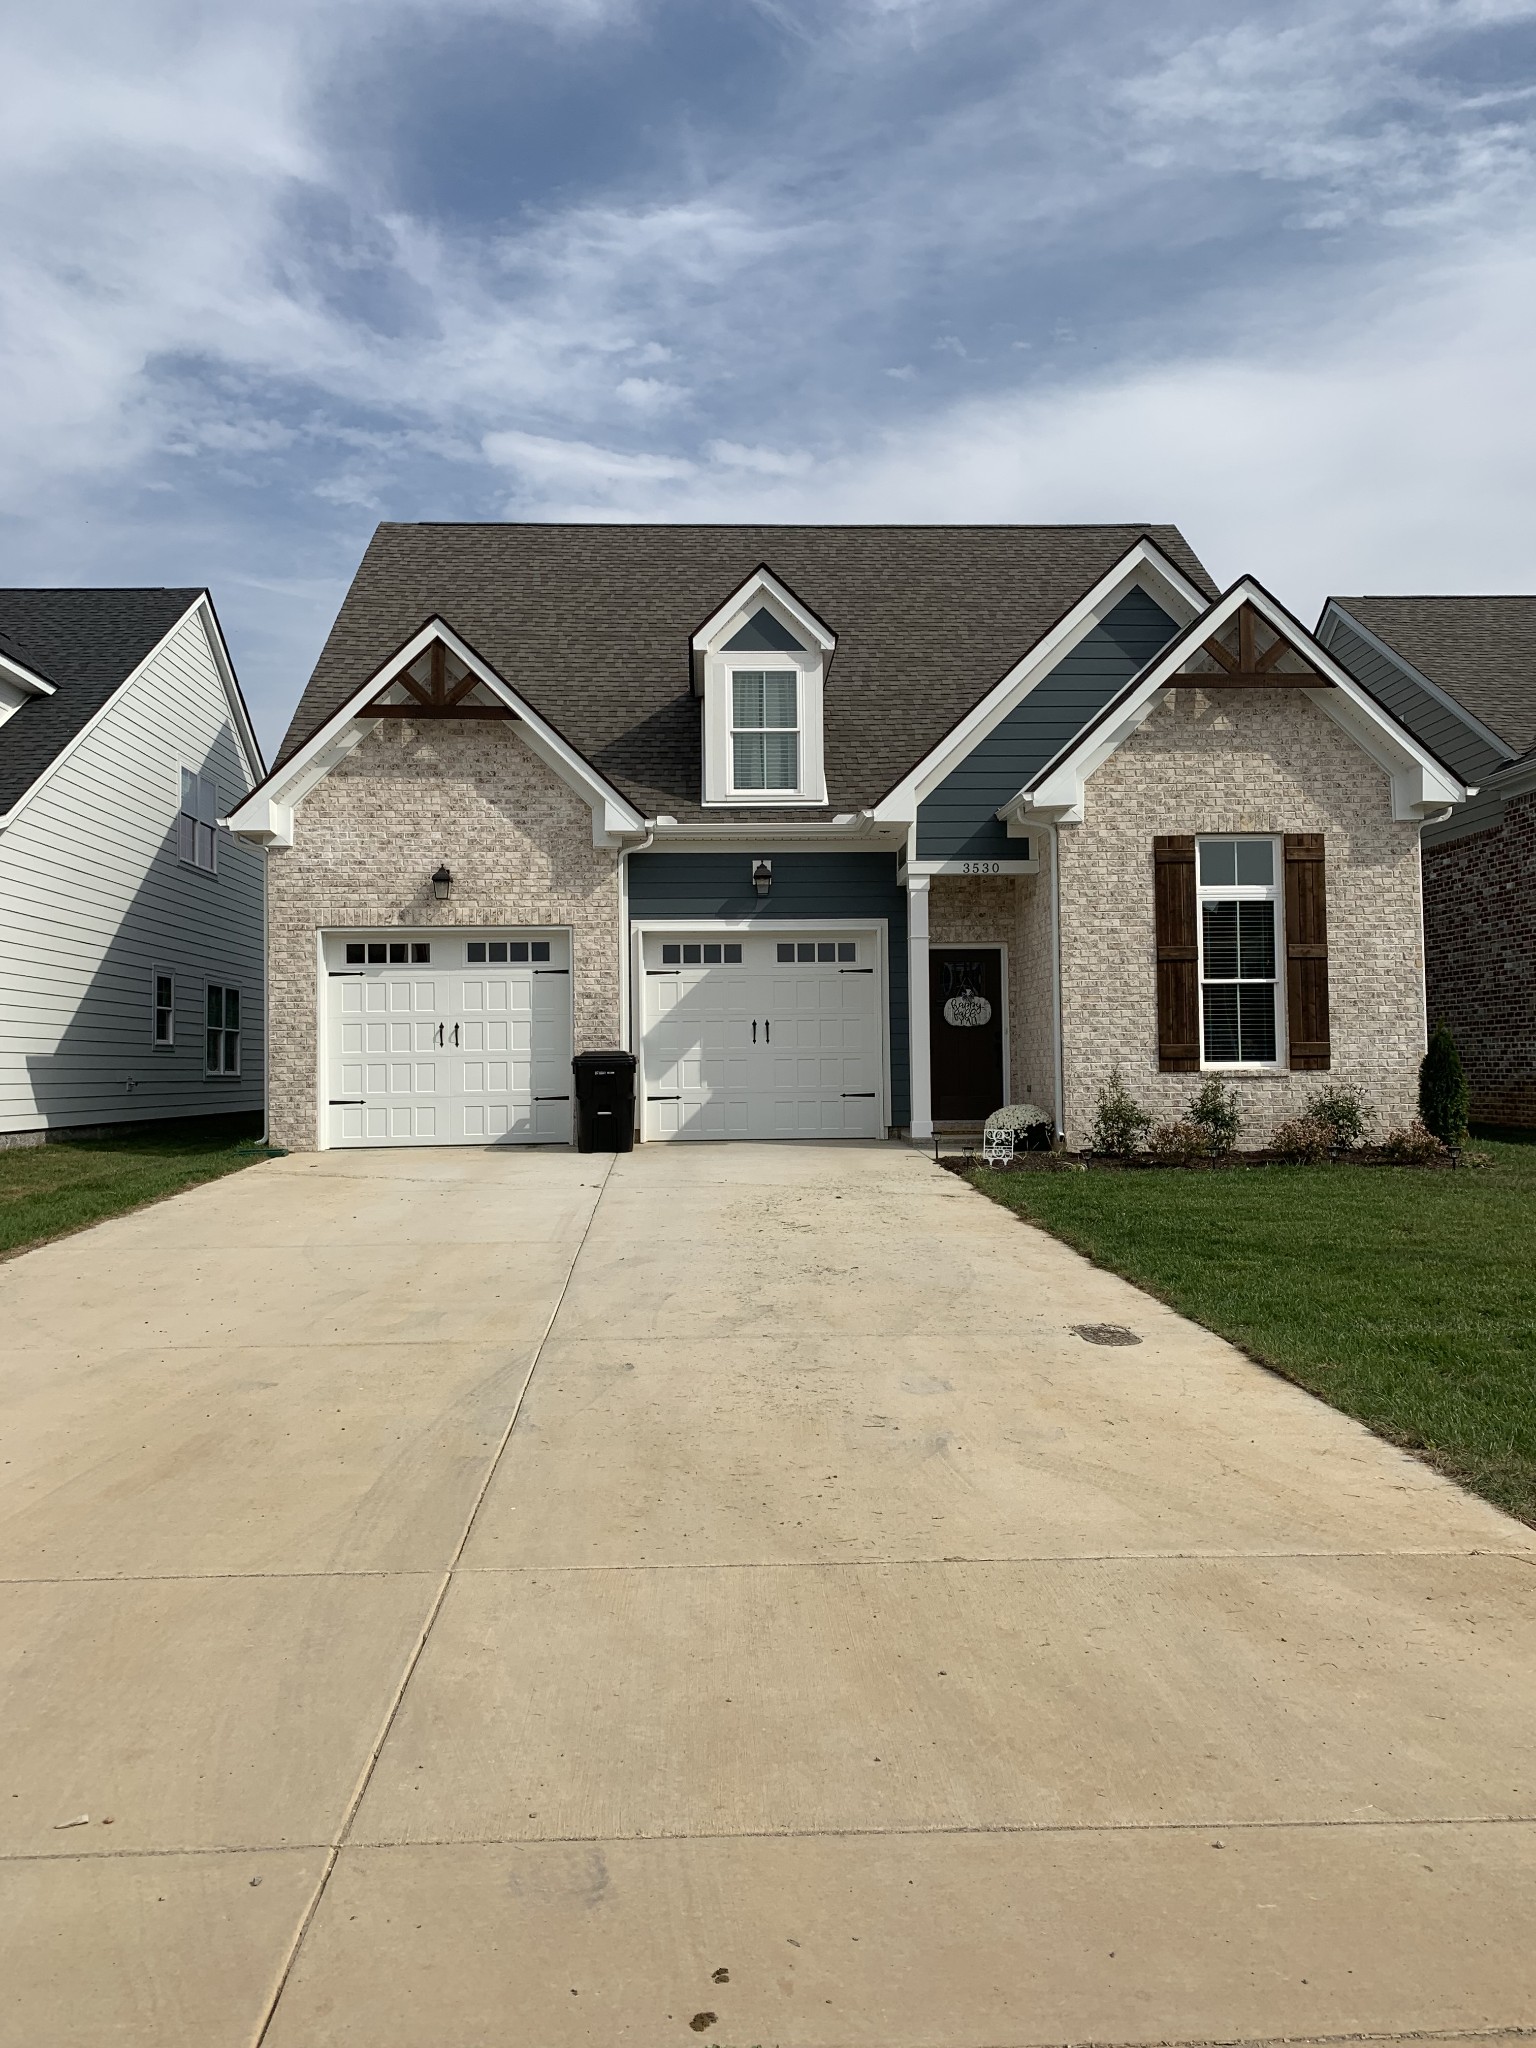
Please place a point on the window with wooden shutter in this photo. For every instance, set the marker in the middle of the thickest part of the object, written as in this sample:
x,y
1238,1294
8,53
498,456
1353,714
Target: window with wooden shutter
x,y
1178,958
1306,951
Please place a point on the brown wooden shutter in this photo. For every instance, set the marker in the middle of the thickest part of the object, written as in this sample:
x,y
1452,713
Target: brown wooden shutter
x,y
1178,966
1306,951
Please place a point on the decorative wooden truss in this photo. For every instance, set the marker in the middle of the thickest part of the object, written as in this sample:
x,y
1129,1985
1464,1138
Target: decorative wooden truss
x,y
1249,666
437,685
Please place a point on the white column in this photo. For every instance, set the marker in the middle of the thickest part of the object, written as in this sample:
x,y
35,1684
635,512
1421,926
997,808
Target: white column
x,y
917,1005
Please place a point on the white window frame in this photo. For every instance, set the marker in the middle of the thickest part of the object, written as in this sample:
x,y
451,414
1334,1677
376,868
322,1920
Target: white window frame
x,y
156,976
221,1072
1244,892
203,791
748,793
720,722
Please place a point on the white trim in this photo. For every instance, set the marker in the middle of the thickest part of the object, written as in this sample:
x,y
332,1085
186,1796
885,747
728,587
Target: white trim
x,y
727,834
971,867
241,722
1144,567
919,1047
769,927
1057,1030
245,732
1333,609
1421,785
266,815
763,583
23,678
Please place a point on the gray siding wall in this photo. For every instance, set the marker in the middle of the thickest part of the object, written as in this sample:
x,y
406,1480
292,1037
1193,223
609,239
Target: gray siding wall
x,y
93,899
806,886
956,822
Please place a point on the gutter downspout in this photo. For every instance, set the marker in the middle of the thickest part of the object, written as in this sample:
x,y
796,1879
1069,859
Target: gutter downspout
x,y
1060,1076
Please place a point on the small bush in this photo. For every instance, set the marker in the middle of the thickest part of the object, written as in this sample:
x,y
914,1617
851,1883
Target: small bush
x,y
1215,1111
1306,1140
1119,1121
1180,1141
1413,1146
1443,1088
1344,1113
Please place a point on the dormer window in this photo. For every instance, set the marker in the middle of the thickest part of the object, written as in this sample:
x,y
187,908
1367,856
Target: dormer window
x,y
765,729
759,665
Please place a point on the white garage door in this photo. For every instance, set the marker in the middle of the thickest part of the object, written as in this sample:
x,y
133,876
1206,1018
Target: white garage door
x,y
448,1038
774,1035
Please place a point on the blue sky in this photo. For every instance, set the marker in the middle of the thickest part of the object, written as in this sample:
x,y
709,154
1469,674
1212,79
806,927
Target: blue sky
x,y
277,272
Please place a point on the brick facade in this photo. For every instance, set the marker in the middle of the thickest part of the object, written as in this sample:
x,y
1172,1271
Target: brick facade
x,y
1480,947
1250,761
366,841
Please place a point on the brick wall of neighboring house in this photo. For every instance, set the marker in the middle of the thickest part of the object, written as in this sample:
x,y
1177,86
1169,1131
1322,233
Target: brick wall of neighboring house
x,y
1250,761
1480,947
366,841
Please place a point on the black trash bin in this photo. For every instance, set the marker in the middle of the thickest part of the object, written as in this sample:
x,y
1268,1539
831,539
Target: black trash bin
x,y
605,1101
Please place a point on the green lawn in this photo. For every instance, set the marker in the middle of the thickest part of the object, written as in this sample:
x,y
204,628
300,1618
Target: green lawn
x,y
1404,1297
49,1190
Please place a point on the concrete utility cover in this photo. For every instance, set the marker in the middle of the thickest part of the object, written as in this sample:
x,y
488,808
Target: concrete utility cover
x,y
850,1618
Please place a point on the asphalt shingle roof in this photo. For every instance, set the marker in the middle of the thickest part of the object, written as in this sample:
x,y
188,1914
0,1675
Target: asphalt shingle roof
x,y
1480,650
591,624
84,642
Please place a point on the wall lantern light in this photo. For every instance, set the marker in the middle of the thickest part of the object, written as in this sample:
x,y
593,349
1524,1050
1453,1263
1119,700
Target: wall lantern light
x,y
442,882
762,876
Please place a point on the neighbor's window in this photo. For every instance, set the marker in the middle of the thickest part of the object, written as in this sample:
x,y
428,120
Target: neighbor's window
x,y
198,834
1238,991
765,736
222,1054
165,1008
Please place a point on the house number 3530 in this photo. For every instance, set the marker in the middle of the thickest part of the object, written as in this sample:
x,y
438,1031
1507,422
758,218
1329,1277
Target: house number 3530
x,y
981,867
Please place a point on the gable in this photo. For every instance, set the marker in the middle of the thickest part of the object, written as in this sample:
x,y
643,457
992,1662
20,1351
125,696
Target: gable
x,y
959,821
763,631
1480,650
85,643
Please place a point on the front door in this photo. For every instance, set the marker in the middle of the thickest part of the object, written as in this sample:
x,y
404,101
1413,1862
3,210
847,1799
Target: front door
x,y
965,1008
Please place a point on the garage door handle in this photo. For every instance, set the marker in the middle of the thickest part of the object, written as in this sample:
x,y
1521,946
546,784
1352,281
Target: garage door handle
x,y
455,1034
767,1032
754,1031
439,1034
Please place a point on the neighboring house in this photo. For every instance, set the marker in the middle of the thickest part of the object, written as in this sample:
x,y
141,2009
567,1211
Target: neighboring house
x,y
131,954
846,830
1461,673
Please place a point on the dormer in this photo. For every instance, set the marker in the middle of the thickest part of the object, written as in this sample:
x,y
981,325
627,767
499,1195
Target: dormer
x,y
759,668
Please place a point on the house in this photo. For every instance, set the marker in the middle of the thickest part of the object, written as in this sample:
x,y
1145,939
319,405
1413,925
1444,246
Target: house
x,y
131,954
1460,672
848,831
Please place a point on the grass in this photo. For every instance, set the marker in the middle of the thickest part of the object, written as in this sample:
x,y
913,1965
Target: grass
x,y
47,1191
1405,1298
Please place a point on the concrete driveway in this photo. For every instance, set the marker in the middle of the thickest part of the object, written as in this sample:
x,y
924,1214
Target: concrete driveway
x,y
464,1598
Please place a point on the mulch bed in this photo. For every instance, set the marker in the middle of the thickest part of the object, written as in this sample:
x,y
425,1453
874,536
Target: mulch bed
x,y
1230,1162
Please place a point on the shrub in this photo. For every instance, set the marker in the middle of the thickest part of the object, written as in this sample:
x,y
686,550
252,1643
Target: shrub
x,y
1306,1140
1344,1113
1179,1141
1119,1121
1443,1088
1215,1111
1413,1146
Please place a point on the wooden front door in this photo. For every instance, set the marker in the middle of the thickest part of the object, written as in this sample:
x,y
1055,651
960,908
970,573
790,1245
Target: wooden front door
x,y
965,1010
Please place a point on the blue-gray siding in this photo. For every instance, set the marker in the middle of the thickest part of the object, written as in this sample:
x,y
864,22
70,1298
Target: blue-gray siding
x,y
1426,717
957,821
806,887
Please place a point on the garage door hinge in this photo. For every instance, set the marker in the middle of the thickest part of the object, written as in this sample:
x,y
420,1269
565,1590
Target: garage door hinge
x,y
348,1102
859,1095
